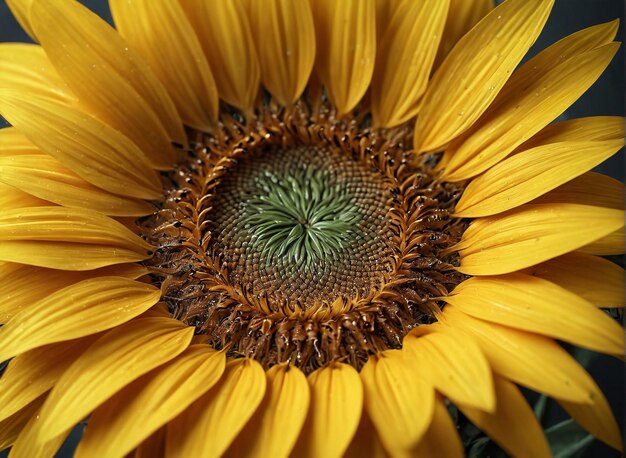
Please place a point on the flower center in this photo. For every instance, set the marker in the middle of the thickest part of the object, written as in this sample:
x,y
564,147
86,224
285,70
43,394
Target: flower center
x,y
299,238
302,226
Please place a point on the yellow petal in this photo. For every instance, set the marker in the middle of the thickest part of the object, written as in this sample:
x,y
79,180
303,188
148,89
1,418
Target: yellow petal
x,y
536,94
528,359
78,310
96,152
160,33
12,198
531,234
67,239
455,366
33,373
365,441
275,427
24,285
385,9
404,61
346,48
140,409
44,177
597,419
398,401
285,30
595,128
21,11
11,427
25,67
612,244
108,78
476,69
590,188
15,143
121,356
595,279
224,32
28,443
513,426
336,405
442,438
536,305
529,174
463,15
220,414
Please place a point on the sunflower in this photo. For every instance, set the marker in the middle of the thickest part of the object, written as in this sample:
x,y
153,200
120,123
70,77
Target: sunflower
x,y
263,228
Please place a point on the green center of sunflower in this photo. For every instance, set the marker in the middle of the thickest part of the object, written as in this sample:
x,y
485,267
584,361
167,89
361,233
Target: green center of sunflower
x,y
304,239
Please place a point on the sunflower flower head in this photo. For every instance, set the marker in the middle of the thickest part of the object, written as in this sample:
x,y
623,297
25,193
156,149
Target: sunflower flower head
x,y
301,228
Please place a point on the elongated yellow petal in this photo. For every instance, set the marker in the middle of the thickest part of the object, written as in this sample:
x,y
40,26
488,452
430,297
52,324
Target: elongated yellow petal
x,y
123,354
594,128
11,427
12,198
160,33
476,69
404,61
336,405
96,152
595,279
346,48
22,286
15,143
21,11
513,426
455,366
220,414
365,441
33,373
442,438
535,95
67,239
140,409
78,310
463,15
400,404
531,234
385,9
536,305
531,360
590,188
612,244
224,32
44,177
597,419
28,443
285,29
529,174
275,427
109,79
25,67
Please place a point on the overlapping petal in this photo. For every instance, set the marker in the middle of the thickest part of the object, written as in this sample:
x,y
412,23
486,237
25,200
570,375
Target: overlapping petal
x,y
85,308
159,32
140,409
120,356
285,29
531,234
476,69
220,414
108,78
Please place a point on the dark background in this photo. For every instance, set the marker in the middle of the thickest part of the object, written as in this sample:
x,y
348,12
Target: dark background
x,y
606,97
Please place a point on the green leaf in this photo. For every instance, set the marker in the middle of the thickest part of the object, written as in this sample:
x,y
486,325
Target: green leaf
x,y
583,356
568,440
541,409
